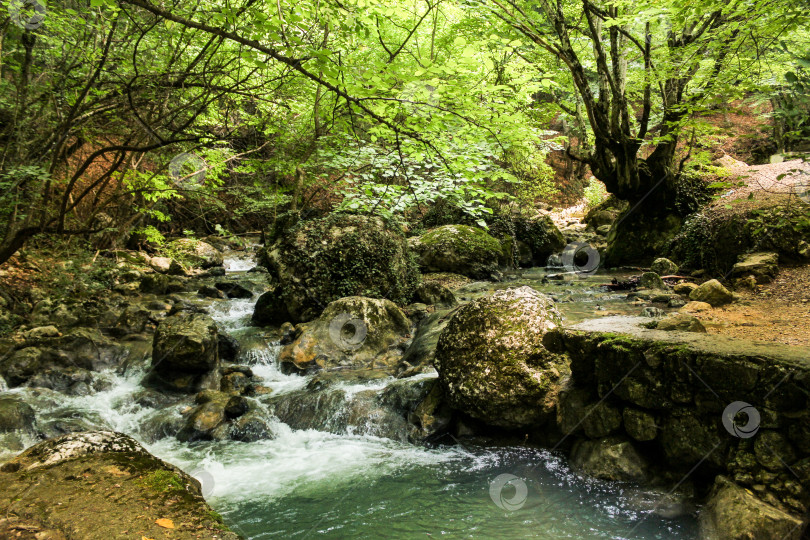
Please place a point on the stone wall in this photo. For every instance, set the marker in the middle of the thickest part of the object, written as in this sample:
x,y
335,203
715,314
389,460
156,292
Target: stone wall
x,y
665,396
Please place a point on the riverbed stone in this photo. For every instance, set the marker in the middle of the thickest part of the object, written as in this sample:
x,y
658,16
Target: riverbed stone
x,y
185,353
611,458
651,280
664,267
351,332
696,307
233,289
271,309
681,322
492,362
734,513
460,249
15,415
435,294
685,288
712,292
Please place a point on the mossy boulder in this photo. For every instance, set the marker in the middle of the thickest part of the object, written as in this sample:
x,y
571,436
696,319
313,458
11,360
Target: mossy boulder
x,y
185,353
492,362
15,415
460,249
353,332
319,261
664,267
81,471
535,235
195,253
712,292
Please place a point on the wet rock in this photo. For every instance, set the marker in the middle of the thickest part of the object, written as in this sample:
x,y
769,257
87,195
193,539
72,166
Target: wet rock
x,y
154,284
287,333
135,319
436,294
664,267
603,230
682,322
202,422
228,347
235,383
196,253
712,292
420,354
185,353
211,292
432,416
236,407
492,362
639,424
15,415
612,458
59,362
234,290
271,309
459,249
253,426
81,471
652,280
684,288
652,312
734,513
763,267
319,261
161,264
355,332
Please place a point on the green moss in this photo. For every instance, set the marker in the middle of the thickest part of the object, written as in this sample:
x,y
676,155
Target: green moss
x,y
162,481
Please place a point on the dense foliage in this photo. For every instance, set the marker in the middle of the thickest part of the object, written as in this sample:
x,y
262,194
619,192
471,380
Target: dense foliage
x,y
128,117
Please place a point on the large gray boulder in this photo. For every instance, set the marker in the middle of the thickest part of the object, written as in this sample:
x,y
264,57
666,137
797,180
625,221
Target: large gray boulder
x,y
492,362
355,332
319,261
185,353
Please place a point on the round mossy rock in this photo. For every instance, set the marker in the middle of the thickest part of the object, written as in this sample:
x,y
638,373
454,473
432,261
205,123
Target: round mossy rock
x,y
460,249
319,261
492,362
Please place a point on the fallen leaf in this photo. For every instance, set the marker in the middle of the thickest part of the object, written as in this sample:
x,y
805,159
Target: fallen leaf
x,y
145,538
165,523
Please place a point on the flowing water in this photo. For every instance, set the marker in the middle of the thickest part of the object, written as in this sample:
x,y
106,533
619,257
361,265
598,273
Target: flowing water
x,y
315,484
